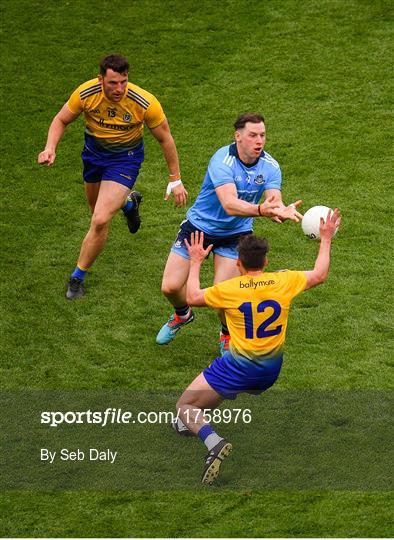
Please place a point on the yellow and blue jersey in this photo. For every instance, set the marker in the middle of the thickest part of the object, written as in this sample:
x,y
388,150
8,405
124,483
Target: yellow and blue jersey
x,y
257,310
115,127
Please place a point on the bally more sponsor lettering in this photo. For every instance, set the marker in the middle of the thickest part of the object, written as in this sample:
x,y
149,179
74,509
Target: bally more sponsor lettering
x,y
254,284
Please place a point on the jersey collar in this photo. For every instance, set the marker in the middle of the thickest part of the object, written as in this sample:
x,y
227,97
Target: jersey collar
x,y
233,151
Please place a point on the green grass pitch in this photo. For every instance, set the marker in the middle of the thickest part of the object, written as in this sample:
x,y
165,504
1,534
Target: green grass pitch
x,y
320,72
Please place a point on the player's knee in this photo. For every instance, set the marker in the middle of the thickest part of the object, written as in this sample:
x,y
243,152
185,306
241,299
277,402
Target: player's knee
x,y
100,221
168,288
182,404
188,398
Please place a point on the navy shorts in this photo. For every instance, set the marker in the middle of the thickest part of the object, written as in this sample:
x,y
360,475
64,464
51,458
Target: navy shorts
x,y
231,376
226,246
122,168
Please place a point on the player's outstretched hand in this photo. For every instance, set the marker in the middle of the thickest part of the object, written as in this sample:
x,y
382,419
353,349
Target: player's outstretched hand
x,y
180,195
329,227
196,250
290,212
46,156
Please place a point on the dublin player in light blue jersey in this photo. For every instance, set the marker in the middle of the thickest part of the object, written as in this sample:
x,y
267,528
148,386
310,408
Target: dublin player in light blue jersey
x,y
238,176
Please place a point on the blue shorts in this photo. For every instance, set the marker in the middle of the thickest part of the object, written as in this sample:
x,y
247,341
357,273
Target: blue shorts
x,y
226,246
122,168
230,376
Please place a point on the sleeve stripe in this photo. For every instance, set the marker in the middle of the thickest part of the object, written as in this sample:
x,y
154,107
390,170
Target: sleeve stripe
x,y
90,94
89,91
138,99
229,160
270,160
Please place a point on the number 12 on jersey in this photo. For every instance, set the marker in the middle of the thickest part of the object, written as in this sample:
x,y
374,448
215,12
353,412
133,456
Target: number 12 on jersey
x,y
261,332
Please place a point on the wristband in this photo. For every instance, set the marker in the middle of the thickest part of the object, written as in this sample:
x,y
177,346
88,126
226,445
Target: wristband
x,y
259,210
172,185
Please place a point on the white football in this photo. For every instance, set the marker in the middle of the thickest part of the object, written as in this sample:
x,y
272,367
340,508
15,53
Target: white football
x,y
311,221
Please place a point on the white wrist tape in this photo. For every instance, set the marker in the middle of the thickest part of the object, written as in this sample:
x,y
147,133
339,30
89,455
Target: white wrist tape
x,y
172,185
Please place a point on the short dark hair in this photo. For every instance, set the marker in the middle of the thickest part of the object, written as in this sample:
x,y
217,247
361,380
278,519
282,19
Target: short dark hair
x,y
248,117
252,251
116,62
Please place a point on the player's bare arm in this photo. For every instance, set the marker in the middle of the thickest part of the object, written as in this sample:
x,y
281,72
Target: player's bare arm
x,y
228,197
197,254
322,265
55,133
283,212
163,135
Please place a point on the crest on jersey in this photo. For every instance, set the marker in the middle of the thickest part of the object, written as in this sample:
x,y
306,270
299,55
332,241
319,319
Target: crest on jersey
x,y
259,179
127,117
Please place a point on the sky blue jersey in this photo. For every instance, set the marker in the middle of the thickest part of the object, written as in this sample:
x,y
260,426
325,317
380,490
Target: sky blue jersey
x,y
225,167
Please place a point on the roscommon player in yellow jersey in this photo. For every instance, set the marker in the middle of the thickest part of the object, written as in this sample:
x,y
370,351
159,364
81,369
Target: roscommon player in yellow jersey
x,y
256,305
115,112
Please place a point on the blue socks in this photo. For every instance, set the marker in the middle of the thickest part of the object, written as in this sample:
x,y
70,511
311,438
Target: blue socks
x,y
205,431
128,206
78,273
209,437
